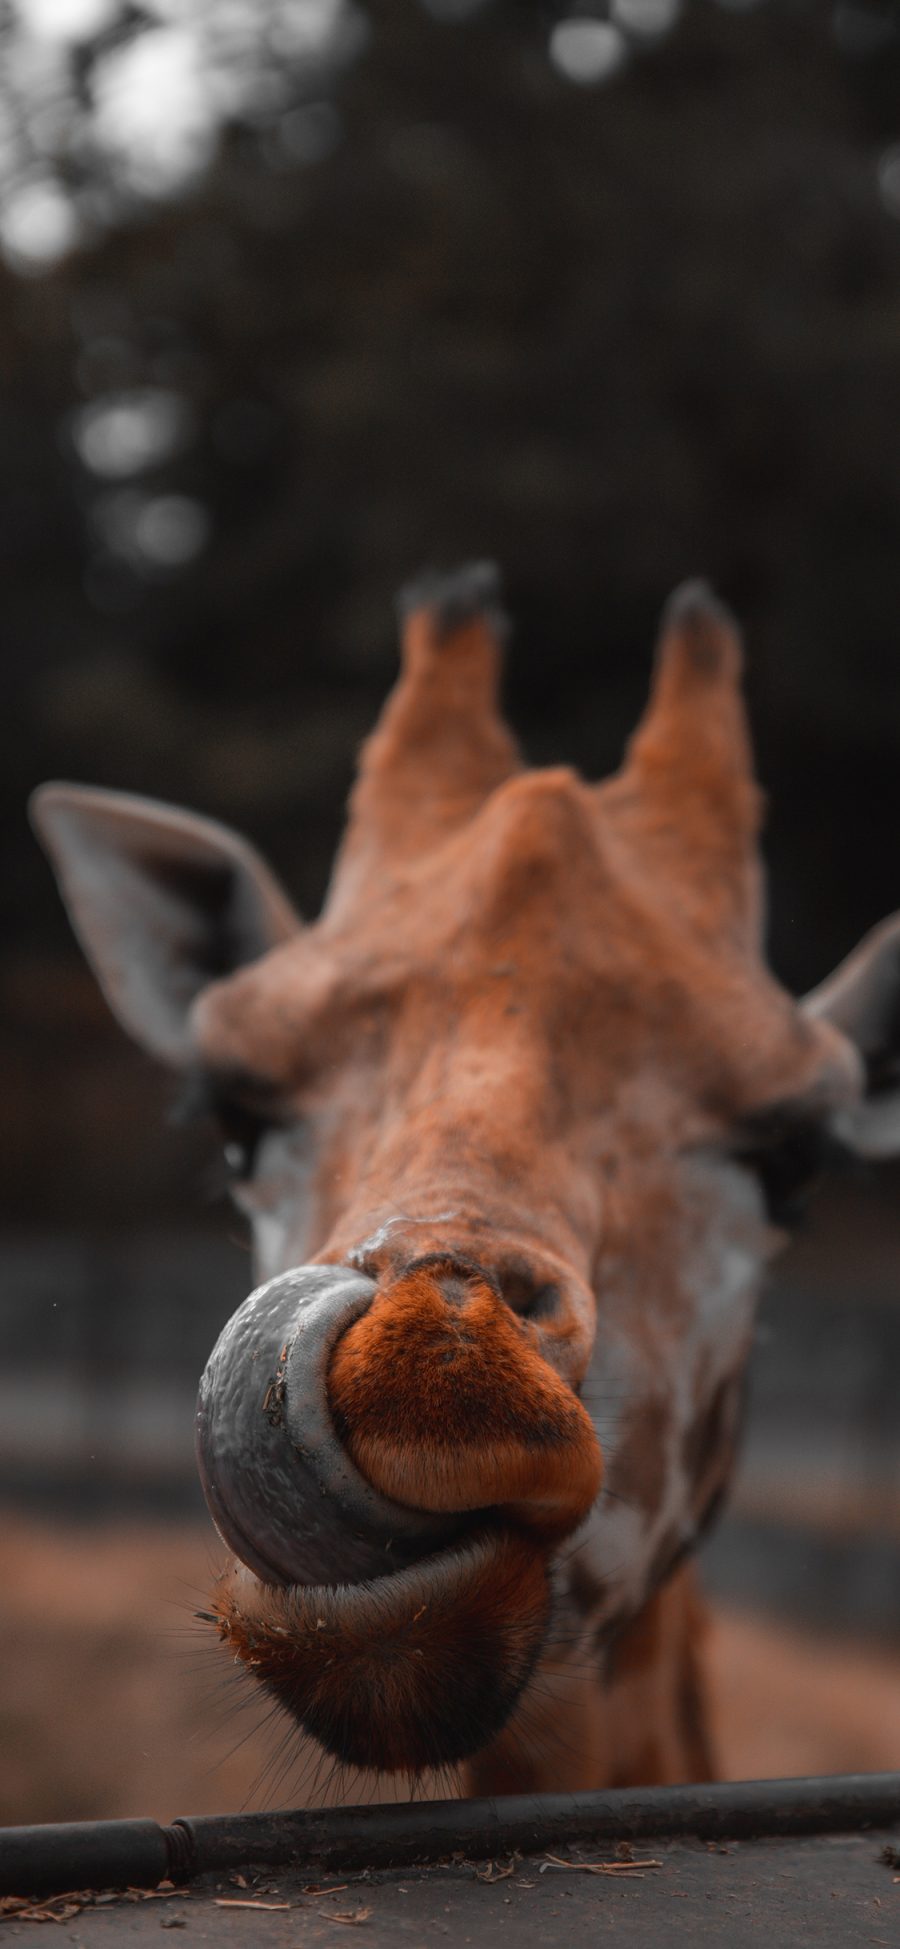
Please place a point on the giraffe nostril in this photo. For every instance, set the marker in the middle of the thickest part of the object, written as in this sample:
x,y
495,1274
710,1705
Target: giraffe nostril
x,y
525,1289
527,1293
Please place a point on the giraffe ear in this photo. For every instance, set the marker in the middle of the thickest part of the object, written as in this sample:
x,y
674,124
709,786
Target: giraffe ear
x,y
862,999
162,901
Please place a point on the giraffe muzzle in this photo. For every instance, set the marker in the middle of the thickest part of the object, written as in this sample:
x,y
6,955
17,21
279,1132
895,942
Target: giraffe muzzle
x,y
390,1583
346,1429
445,1402
357,1612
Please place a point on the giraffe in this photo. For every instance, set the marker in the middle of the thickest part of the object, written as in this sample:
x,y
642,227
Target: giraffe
x,y
512,1123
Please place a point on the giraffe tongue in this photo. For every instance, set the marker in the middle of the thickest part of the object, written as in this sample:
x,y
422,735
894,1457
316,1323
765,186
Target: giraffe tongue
x,y
281,1490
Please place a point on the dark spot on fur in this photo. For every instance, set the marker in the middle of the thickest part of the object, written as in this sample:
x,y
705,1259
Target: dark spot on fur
x,y
708,1515
603,1640
586,1591
638,1468
671,1550
709,1446
454,1290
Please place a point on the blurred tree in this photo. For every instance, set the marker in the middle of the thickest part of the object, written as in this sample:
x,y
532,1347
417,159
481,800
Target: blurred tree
x,y
299,296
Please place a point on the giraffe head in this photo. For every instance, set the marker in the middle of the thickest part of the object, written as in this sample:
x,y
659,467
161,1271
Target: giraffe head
x,y
506,1121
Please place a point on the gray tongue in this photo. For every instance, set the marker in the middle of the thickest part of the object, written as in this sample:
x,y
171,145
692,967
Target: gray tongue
x,y
281,1490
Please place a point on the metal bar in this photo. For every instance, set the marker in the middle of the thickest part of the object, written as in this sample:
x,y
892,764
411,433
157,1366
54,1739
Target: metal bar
x,y
82,1854
139,1853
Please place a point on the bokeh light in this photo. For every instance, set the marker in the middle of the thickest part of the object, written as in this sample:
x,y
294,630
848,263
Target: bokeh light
x,y
125,433
39,224
105,109
587,51
645,19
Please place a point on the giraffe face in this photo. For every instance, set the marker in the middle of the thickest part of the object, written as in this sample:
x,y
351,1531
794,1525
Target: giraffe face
x,y
502,1122
511,1099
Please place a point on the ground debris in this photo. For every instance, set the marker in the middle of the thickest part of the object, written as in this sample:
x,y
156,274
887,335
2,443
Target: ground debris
x,y
350,1917
62,1908
634,1868
500,1874
238,1901
890,1855
11,1908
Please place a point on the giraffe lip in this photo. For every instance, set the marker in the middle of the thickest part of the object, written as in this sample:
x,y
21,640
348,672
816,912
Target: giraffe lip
x,y
383,1674
346,1593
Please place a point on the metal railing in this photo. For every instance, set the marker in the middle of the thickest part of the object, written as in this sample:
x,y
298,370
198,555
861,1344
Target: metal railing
x,y
140,1853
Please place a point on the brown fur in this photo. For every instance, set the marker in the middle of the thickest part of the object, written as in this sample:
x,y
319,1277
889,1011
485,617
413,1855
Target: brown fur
x,y
639,1716
445,1404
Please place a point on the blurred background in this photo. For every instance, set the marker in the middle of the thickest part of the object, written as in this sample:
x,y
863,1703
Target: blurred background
x,y
296,297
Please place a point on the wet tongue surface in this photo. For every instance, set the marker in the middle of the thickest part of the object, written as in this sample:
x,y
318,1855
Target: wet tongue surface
x,y
282,1490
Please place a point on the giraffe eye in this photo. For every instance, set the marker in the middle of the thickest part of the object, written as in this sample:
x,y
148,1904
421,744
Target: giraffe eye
x,y
788,1154
240,1125
243,1132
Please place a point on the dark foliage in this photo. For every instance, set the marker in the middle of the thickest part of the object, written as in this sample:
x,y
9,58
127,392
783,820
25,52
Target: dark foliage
x,y
608,335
